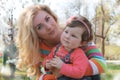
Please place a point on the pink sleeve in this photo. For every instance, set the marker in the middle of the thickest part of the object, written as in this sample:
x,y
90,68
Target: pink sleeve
x,y
78,67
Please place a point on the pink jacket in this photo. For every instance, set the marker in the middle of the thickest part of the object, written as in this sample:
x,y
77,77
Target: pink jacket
x,y
79,62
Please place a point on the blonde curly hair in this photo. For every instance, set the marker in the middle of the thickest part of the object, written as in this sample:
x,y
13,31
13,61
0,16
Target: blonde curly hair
x,y
27,39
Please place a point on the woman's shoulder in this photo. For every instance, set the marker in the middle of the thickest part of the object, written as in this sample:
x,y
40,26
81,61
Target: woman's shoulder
x,y
91,47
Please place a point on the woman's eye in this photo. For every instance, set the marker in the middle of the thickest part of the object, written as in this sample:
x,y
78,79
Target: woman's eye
x,y
39,26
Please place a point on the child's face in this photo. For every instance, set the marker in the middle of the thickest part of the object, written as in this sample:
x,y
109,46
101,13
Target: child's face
x,y
71,37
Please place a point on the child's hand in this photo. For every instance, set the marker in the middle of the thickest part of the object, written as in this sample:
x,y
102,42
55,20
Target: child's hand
x,y
48,64
56,62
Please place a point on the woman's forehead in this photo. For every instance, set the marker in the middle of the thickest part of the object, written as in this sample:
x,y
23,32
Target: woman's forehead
x,y
40,17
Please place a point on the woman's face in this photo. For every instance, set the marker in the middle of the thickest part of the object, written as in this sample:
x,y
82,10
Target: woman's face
x,y
45,26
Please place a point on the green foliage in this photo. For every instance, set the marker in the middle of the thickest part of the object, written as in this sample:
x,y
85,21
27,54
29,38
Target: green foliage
x,y
0,60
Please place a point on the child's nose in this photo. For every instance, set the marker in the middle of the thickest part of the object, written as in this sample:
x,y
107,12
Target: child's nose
x,y
67,35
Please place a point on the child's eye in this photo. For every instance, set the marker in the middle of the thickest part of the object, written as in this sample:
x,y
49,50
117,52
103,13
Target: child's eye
x,y
47,19
73,36
66,31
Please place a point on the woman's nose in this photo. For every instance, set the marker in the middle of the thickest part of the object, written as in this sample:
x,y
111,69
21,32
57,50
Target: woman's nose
x,y
48,27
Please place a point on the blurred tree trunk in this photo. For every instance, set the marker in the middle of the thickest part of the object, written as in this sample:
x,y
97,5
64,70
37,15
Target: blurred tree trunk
x,y
103,21
100,28
103,28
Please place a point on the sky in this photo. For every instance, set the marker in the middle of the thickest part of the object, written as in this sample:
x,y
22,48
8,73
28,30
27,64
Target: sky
x,y
55,5
59,5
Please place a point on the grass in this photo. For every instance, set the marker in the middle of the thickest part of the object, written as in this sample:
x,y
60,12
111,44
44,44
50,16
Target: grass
x,y
19,75
113,67
112,72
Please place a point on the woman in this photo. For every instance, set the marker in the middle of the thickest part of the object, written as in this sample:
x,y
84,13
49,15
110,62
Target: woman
x,y
38,33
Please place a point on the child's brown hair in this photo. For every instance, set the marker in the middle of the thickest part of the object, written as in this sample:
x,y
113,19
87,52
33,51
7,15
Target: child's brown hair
x,y
82,22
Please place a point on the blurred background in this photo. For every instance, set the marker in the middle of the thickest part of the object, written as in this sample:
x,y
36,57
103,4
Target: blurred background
x,y
103,14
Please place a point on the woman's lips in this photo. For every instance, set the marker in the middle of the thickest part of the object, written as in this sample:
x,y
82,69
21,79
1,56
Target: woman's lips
x,y
52,32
